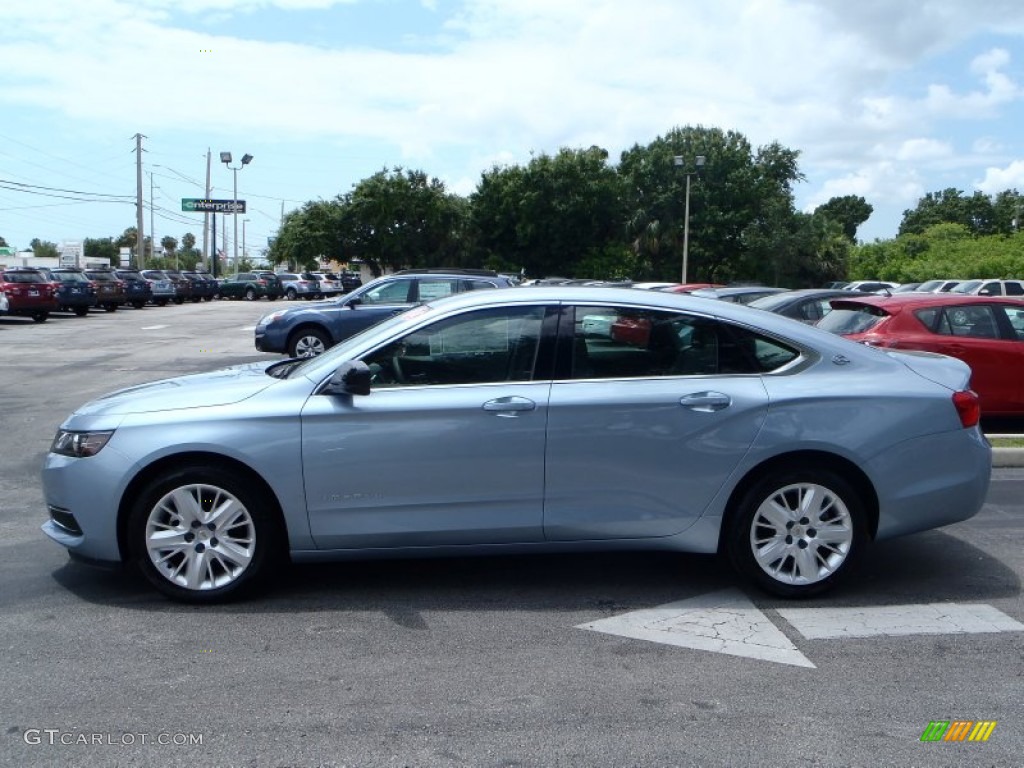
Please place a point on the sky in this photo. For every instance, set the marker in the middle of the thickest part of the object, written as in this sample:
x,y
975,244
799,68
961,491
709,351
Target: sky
x,y
886,99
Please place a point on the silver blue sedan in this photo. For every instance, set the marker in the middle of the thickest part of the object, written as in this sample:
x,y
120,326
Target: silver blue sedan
x,y
493,422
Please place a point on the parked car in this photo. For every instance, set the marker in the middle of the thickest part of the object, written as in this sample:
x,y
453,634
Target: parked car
x,y
515,433
250,286
737,294
990,287
690,287
4,303
329,284
350,281
938,286
138,291
987,333
808,305
299,286
75,292
29,293
204,287
871,286
182,286
308,330
162,287
110,290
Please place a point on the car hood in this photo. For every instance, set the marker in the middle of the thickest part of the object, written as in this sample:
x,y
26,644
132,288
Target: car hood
x,y
942,369
222,387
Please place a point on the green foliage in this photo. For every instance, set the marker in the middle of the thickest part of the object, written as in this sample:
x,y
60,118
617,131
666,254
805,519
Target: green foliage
x,y
44,249
849,211
978,214
941,251
101,248
561,213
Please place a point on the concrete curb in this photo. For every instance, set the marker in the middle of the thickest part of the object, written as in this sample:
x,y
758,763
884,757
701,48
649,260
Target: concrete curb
x,y
1008,457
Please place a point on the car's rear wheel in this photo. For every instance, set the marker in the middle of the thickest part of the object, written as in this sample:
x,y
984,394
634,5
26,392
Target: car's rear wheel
x,y
796,531
81,311
291,294
40,317
204,535
250,294
308,342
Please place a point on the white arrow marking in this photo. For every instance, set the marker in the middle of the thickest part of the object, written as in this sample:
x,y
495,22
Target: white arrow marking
x,y
931,619
720,622
153,327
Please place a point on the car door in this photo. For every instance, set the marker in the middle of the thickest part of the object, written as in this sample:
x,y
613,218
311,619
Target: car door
x,y
447,449
972,333
646,421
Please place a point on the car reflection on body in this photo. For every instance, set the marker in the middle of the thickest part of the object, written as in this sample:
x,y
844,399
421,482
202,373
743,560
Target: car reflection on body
x,y
517,433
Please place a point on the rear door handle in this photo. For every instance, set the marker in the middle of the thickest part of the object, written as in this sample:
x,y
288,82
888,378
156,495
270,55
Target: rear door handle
x,y
511,406
705,402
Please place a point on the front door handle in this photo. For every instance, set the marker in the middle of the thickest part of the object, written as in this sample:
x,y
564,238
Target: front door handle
x,y
705,402
510,406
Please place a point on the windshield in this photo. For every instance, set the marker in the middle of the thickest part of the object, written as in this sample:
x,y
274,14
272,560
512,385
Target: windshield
x,y
845,319
968,287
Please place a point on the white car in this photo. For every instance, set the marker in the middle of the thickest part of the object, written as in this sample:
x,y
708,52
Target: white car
x,y
328,286
4,304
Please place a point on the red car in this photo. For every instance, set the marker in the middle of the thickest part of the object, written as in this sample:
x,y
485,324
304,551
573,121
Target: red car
x,y
986,332
28,292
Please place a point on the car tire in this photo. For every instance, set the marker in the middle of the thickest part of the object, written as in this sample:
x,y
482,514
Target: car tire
x,y
308,342
161,302
795,532
271,297
290,294
202,534
179,300
250,294
81,311
110,307
138,304
40,317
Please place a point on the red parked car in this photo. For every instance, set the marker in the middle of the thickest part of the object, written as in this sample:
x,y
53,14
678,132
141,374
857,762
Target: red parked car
x,y
986,332
28,292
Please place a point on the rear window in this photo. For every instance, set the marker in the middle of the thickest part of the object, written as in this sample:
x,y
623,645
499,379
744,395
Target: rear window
x,y
102,277
23,277
846,319
71,277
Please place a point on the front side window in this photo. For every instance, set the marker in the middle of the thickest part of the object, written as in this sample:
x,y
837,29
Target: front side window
x,y
394,292
481,347
619,342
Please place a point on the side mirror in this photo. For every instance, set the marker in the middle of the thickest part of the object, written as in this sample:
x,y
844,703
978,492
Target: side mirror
x,y
351,378
353,302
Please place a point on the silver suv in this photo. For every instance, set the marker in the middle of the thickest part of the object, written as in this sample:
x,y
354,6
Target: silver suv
x,y
991,288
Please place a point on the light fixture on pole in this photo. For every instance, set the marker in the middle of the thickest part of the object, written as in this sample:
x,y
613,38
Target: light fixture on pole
x,y
698,163
225,157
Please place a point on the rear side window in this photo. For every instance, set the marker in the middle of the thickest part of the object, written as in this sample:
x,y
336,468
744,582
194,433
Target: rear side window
x,y
847,319
621,342
1014,288
974,321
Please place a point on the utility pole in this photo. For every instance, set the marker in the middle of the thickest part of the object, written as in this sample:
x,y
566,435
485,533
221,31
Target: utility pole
x,y
206,222
140,253
152,205
224,226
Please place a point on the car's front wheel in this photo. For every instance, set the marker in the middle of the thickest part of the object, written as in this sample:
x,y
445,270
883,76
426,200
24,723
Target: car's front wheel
x,y
308,342
204,535
796,531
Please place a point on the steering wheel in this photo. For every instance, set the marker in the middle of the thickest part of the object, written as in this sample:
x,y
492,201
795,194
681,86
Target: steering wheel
x,y
396,369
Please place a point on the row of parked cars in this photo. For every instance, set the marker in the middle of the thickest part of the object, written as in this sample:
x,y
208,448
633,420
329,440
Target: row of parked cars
x,y
35,292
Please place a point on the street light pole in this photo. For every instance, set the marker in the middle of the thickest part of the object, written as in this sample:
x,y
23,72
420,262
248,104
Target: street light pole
x,y
244,222
698,164
225,157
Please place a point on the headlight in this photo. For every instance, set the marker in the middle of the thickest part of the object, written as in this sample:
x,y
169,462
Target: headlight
x,y
79,444
268,319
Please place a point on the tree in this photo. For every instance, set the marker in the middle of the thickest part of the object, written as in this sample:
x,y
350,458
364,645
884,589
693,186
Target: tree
x,y
849,211
562,214
101,248
977,213
169,245
3,243
741,202
44,249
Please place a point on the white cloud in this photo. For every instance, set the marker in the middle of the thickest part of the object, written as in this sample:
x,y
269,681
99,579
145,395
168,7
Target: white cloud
x,y
913,150
999,179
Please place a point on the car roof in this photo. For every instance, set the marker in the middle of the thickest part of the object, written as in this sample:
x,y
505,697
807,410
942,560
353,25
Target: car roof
x,y
900,301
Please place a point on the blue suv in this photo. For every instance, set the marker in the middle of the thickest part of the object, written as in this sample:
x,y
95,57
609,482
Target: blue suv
x,y
309,330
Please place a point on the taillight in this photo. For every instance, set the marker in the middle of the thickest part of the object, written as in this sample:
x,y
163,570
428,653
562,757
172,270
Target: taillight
x,y
968,407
